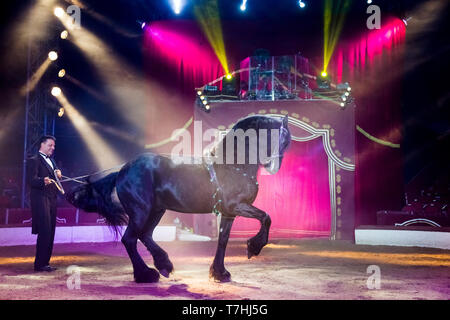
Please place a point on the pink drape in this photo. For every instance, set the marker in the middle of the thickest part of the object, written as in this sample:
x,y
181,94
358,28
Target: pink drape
x,y
373,65
179,50
297,198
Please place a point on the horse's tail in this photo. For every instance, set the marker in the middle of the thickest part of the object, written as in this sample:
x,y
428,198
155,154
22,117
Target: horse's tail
x,y
97,197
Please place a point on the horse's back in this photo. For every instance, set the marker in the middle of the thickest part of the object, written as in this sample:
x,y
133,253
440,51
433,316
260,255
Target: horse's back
x,y
182,187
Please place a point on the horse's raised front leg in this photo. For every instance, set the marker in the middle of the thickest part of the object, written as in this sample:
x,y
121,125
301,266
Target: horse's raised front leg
x,y
255,244
217,270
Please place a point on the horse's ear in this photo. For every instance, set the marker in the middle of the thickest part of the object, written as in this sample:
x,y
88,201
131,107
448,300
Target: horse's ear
x,y
285,121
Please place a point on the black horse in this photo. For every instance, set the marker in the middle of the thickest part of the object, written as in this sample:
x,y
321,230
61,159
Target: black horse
x,y
146,187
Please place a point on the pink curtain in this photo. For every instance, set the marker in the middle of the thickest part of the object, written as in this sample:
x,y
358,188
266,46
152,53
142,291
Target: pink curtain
x,y
373,65
297,198
179,50
178,59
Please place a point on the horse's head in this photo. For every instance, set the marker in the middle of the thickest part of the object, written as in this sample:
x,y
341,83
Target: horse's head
x,y
278,146
83,197
256,140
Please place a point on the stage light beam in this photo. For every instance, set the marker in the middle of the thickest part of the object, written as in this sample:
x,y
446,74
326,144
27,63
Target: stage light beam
x,y
334,17
207,14
122,80
177,5
104,156
33,81
243,6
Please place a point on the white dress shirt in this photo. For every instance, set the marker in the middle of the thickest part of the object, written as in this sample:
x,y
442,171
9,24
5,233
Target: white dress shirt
x,y
47,159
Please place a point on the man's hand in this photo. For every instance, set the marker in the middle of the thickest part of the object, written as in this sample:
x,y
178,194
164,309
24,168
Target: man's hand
x,y
47,181
58,173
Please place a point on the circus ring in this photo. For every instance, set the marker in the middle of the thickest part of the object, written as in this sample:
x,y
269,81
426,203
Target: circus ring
x,y
313,193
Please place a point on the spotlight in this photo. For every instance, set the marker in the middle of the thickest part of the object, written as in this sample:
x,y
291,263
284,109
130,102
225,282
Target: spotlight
x,y
205,102
56,91
405,20
324,74
64,34
199,93
61,112
177,4
229,76
344,97
207,107
301,4
61,73
243,6
52,55
58,12
202,97
369,1
342,104
349,89
347,94
142,24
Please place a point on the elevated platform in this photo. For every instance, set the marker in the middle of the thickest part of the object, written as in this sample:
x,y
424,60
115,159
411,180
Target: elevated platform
x,y
410,236
76,226
16,235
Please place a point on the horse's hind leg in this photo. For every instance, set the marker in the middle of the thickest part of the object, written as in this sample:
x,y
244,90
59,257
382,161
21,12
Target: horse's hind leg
x,y
142,273
160,257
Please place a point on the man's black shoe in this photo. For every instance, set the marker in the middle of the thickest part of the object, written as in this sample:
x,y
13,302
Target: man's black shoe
x,y
46,269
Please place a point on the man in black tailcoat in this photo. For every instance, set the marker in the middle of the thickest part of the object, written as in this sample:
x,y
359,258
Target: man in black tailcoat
x,y
42,173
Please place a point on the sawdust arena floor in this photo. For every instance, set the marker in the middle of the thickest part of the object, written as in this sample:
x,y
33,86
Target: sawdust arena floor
x,y
285,270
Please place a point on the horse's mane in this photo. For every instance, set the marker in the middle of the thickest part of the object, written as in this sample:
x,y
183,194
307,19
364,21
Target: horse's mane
x,y
255,122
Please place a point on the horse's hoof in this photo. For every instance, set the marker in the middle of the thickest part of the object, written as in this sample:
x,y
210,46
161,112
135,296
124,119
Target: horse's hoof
x,y
147,276
164,272
223,280
224,276
251,250
164,266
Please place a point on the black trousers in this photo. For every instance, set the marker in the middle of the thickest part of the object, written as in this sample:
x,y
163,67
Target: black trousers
x,y
46,233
